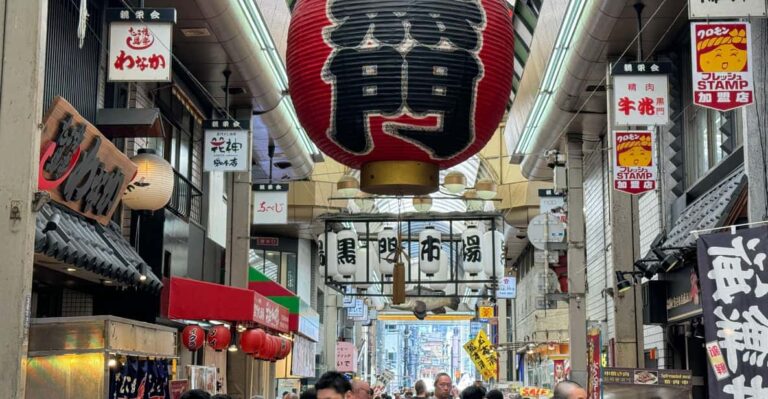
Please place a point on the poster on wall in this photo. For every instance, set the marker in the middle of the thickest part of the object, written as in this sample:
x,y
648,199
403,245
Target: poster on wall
x,y
346,357
140,44
734,295
634,167
303,357
722,64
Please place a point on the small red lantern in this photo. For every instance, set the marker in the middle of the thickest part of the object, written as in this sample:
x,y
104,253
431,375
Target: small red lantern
x,y
219,338
252,341
285,348
193,337
400,89
270,348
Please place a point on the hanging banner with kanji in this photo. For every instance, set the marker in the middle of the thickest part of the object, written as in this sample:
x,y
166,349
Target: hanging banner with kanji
x,y
734,289
140,44
226,146
640,94
722,64
594,370
481,352
634,167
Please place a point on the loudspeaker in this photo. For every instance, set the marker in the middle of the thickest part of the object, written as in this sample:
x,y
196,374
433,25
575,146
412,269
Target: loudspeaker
x,y
655,302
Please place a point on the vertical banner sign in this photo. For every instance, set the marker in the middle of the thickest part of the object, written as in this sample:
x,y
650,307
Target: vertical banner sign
x,y
708,9
226,146
734,288
559,366
140,44
346,357
634,167
270,203
722,64
640,93
594,388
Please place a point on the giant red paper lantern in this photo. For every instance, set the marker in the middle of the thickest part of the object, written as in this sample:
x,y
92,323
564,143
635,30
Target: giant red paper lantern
x,y
402,88
219,338
193,337
252,341
269,350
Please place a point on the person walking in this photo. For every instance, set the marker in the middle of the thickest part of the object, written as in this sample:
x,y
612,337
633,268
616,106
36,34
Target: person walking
x,y
361,389
443,386
421,389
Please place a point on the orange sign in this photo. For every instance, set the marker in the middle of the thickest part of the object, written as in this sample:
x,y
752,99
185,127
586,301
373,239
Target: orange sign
x,y
535,392
79,167
485,312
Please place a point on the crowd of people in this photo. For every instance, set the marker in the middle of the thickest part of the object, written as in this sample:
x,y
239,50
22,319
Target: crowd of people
x,y
334,385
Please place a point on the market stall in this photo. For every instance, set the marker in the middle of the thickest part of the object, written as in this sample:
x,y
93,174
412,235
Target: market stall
x,y
97,356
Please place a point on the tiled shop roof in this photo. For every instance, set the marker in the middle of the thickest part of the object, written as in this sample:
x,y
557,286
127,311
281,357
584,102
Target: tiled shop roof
x,y
89,245
707,211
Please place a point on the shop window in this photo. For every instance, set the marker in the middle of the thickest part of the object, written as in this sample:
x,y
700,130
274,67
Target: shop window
x,y
707,140
76,303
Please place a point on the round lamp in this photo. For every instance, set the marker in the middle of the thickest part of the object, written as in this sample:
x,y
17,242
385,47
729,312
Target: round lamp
x,y
422,203
486,189
348,186
455,182
152,186
193,337
219,338
472,201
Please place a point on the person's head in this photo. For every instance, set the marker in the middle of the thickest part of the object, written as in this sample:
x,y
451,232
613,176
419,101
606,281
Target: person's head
x,y
284,395
494,394
221,396
443,385
293,396
333,385
569,390
361,389
309,394
196,394
420,387
473,392
408,394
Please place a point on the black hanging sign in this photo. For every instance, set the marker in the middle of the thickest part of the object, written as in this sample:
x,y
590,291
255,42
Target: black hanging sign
x,y
734,288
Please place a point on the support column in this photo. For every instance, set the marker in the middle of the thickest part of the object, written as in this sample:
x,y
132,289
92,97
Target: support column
x,y
756,130
22,53
628,306
331,326
240,367
502,337
577,260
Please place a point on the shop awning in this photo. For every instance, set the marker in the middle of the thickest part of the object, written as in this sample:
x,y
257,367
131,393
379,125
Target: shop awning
x,y
74,240
708,211
189,299
130,122
259,282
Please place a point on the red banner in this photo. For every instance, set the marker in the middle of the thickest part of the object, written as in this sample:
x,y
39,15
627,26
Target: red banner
x,y
594,388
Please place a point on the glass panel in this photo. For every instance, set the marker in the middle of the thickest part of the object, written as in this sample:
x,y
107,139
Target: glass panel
x,y
184,154
720,120
272,265
173,148
292,271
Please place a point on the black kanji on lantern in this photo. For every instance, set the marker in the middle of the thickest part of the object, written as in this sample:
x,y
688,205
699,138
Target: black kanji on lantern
x,y
472,249
387,245
346,251
430,249
402,62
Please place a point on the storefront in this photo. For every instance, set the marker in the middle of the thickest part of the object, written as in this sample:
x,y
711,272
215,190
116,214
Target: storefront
x,y
544,365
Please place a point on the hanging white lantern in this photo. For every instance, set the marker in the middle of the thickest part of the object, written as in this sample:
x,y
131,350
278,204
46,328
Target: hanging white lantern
x,y
475,282
152,186
363,273
429,251
386,250
472,250
346,253
348,187
455,182
494,245
486,189
443,274
326,252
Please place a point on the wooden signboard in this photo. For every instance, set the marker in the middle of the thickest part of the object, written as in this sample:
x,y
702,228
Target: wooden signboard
x,y
79,167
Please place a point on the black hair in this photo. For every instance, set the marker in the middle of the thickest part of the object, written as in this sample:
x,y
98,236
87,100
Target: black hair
x,y
564,388
494,394
420,387
310,393
196,394
473,392
221,396
334,380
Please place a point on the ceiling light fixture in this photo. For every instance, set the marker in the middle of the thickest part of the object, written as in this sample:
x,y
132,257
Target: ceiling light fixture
x,y
348,186
422,203
455,182
486,189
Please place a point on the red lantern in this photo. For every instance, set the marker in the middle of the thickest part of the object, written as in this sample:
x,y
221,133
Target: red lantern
x,y
193,337
401,85
286,346
219,338
252,341
270,348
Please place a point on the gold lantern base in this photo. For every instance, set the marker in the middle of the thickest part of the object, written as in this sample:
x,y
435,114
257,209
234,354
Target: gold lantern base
x,y
399,178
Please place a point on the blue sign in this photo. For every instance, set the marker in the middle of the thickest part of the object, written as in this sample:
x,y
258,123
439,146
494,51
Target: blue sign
x,y
507,288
